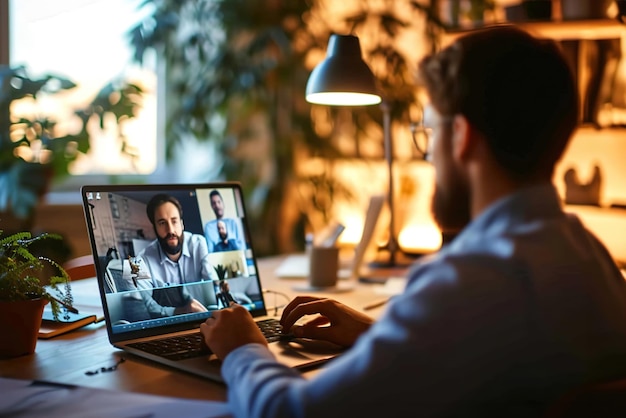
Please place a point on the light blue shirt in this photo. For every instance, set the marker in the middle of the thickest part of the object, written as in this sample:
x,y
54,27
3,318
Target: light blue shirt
x,y
523,305
192,266
234,228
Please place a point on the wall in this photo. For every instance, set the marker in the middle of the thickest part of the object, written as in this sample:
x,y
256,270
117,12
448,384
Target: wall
x,y
607,149
69,221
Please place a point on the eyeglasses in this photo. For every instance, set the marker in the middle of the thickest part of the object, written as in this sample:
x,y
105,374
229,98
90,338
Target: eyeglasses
x,y
422,135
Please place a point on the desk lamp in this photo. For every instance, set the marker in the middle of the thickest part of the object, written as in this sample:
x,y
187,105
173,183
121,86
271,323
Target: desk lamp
x,y
344,79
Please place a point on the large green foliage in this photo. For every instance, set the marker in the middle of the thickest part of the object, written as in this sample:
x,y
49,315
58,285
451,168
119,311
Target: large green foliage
x,y
236,73
236,77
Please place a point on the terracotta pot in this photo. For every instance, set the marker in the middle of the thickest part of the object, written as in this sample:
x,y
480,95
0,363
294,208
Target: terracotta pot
x,y
19,325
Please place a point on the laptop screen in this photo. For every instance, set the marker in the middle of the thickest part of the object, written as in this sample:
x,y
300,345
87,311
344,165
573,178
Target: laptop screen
x,y
168,255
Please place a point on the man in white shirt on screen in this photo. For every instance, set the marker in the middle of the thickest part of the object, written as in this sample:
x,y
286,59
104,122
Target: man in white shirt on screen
x,y
176,257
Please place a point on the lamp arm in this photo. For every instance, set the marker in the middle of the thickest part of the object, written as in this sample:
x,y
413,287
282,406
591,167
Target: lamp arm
x,y
392,244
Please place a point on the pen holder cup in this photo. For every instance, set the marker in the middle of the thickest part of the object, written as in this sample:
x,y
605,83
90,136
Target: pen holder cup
x,y
323,266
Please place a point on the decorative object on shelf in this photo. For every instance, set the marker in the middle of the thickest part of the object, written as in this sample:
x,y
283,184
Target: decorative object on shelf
x,y
584,9
621,10
23,293
578,192
477,9
529,10
451,13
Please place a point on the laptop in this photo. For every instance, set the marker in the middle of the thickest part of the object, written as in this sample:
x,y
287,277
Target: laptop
x,y
121,235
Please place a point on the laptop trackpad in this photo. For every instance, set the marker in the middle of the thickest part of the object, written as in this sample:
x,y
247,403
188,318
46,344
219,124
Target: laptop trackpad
x,y
299,352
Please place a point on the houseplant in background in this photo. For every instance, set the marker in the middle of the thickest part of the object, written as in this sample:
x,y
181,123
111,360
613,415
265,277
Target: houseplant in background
x,y
236,74
24,292
33,151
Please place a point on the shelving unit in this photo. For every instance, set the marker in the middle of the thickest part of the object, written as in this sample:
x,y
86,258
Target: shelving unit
x,y
559,30
587,46
576,29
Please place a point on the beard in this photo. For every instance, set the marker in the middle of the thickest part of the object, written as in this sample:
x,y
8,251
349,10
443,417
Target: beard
x,y
451,206
171,249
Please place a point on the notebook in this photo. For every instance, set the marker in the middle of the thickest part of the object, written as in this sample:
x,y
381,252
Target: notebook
x,y
66,322
142,303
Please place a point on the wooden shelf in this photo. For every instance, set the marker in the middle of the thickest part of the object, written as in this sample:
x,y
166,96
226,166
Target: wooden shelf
x,y
576,29
560,30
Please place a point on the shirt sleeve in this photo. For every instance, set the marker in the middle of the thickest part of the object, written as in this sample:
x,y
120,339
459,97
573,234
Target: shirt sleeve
x,y
147,286
238,233
266,392
357,383
210,235
424,352
201,252
154,309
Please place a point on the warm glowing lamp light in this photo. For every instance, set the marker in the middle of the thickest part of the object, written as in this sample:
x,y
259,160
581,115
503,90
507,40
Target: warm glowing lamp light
x,y
343,78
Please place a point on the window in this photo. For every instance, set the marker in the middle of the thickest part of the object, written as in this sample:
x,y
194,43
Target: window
x,y
85,41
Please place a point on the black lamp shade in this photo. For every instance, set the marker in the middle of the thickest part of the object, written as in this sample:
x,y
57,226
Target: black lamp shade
x,y
343,78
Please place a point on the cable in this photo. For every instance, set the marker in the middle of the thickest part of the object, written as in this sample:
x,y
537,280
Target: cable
x,y
277,293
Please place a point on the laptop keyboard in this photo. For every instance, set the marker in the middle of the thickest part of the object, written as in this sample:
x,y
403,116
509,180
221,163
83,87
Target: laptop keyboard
x,y
190,345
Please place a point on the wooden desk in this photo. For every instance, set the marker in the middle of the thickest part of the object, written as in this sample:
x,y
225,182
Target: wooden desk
x,y
66,358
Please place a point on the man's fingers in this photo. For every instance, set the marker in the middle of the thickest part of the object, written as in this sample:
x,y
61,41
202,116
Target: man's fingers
x,y
317,322
294,303
312,332
317,306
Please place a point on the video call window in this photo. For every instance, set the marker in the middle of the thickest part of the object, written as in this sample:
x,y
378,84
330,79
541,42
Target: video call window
x,y
125,234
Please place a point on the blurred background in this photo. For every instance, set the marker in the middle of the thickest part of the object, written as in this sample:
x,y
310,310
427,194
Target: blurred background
x,y
165,91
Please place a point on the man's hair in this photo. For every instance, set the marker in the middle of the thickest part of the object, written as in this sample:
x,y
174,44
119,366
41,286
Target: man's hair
x,y
159,199
215,193
517,90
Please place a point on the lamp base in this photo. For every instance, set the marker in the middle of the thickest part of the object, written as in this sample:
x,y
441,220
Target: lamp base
x,y
400,258
381,269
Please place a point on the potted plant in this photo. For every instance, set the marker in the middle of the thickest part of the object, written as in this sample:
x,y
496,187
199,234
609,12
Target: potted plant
x,y
24,293
221,271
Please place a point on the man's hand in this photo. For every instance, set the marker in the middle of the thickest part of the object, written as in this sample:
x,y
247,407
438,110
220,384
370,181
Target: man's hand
x,y
196,306
230,328
336,323
191,307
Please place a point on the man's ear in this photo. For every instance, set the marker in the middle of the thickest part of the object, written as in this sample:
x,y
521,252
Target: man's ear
x,y
462,138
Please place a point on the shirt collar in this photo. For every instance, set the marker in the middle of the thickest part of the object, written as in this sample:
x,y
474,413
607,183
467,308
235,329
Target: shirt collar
x,y
526,205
